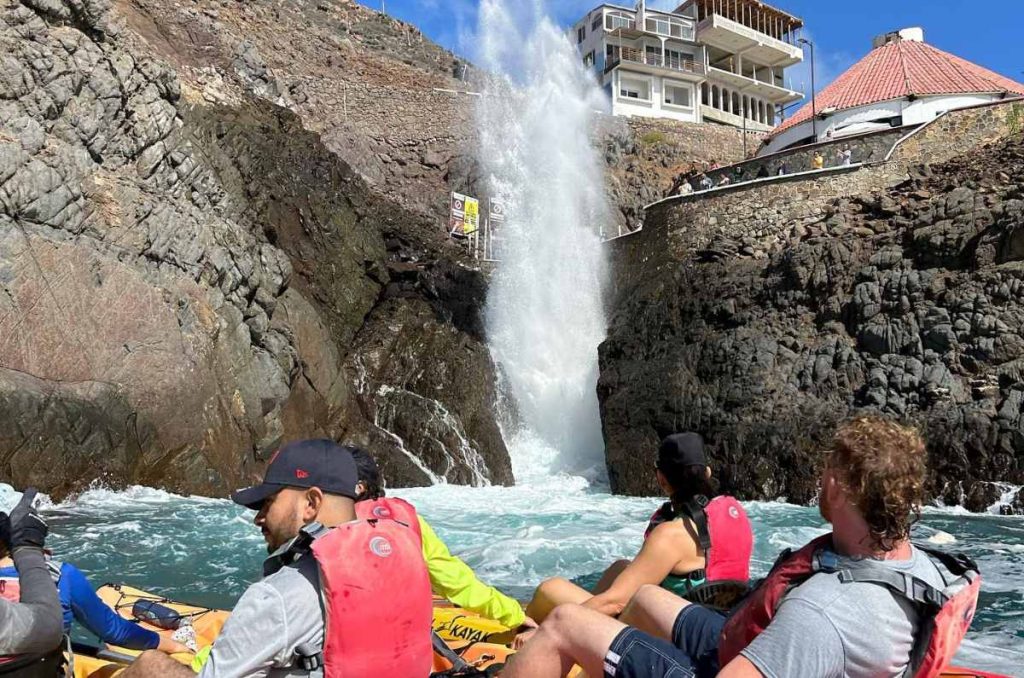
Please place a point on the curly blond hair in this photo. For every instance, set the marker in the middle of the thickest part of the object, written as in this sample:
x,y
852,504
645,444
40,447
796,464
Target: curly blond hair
x,y
881,464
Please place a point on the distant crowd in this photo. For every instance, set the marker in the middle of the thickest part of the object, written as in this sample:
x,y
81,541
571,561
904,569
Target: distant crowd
x,y
708,176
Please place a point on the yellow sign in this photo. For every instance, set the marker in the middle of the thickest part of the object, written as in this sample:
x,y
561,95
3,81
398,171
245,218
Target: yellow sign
x,y
472,222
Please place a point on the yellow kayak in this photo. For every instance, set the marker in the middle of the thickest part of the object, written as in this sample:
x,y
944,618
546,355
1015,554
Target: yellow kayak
x,y
479,641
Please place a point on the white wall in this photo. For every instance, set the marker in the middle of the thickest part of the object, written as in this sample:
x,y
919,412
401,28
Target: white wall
x,y
860,119
654,108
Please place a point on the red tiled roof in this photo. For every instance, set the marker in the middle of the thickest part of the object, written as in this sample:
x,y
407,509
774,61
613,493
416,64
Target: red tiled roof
x,y
899,69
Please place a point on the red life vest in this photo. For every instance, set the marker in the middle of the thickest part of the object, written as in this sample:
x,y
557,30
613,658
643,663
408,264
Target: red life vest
x,y
946,614
377,601
723,533
390,508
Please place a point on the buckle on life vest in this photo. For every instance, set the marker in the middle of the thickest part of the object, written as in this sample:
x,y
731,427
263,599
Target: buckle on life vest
x,y
826,560
308,657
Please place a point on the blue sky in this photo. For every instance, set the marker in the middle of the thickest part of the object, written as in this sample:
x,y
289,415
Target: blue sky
x,y
987,32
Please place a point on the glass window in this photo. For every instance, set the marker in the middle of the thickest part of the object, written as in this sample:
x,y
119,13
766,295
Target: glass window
x,y
632,88
677,94
581,34
596,24
619,20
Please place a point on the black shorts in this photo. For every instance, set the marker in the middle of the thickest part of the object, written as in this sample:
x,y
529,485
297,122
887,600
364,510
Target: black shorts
x,y
693,652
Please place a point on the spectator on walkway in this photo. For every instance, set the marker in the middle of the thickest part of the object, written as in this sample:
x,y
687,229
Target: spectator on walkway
x,y
724,181
685,188
706,184
847,154
763,173
818,162
783,170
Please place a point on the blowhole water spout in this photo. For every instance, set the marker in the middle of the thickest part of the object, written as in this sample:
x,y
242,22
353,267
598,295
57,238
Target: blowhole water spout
x,y
544,315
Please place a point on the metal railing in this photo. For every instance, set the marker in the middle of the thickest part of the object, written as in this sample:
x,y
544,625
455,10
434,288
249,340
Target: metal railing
x,y
639,56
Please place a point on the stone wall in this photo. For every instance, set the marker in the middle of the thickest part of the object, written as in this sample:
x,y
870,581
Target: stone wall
x,y
866,148
762,315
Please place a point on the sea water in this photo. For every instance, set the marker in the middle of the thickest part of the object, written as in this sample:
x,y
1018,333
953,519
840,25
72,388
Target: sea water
x,y
206,551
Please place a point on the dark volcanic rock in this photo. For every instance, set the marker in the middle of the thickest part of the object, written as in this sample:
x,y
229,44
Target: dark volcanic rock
x,y
185,284
909,302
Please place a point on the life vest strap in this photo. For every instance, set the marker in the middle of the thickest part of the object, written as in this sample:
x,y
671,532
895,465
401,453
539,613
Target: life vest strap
x,y
695,512
902,583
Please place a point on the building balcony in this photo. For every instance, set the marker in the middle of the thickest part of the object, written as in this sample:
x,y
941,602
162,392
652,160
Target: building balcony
x,y
647,62
751,86
661,24
733,37
725,117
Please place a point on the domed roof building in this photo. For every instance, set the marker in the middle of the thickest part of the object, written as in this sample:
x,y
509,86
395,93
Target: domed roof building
x,y
902,81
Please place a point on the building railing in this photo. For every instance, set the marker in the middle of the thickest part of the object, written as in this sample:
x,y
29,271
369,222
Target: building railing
x,y
639,56
747,31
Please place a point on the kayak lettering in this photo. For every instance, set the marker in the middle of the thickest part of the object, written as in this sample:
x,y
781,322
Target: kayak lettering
x,y
455,629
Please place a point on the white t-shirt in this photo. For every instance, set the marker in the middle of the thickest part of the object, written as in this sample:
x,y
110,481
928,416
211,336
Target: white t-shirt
x,y
272,617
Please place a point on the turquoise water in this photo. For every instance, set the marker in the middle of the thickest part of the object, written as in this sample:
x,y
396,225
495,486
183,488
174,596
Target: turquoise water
x,y
207,551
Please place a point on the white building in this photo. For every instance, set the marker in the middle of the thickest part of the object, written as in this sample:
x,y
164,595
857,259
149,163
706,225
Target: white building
x,y
721,60
902,81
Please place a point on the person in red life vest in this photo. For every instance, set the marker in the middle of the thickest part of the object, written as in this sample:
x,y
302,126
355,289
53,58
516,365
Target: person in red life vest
x,y
30,624
374,616
450,577
860,602
694,546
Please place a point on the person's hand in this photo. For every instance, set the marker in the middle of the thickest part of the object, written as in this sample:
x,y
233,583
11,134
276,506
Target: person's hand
x,y
28,529
170,646
524,633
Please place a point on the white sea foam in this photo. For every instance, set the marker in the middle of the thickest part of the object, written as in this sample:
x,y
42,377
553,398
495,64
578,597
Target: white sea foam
x,y
544,313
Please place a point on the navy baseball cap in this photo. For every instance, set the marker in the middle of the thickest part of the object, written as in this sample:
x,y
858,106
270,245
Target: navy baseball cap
x,y
682,449
304,463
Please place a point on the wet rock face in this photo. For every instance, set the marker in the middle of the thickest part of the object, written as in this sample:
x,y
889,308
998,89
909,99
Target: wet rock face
x,y
906,302
184,285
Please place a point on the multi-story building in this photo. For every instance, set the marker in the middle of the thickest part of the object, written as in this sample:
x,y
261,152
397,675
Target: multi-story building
x,y
721,60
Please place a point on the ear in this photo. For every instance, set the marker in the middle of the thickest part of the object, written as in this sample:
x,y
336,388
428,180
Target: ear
x,y
313,504
707,472
360,489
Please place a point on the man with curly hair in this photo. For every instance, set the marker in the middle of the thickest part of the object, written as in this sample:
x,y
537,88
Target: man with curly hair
x,y
871,492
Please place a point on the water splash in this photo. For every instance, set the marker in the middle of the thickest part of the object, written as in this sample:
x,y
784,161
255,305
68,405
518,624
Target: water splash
x,y
545,315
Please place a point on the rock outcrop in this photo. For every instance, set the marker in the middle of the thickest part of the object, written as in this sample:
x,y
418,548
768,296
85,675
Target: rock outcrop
x,y
187,279
906,301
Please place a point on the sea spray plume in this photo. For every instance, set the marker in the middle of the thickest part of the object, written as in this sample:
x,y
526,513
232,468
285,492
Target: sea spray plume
x,y
545,315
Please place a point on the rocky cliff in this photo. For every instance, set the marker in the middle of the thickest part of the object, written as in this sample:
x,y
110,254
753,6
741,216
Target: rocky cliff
x,y
762,330
189,274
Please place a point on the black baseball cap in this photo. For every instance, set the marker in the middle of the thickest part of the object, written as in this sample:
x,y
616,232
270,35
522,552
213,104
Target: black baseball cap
x,y
681,449
304,463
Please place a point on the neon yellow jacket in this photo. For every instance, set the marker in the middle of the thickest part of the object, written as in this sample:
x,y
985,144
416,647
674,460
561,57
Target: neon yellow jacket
x,y
455,581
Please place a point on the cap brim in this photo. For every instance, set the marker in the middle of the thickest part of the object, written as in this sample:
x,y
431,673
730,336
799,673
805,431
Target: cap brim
x,y
253,497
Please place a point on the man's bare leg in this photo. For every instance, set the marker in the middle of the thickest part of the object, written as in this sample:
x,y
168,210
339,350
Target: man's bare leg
x,y
570,635
653,610
156,664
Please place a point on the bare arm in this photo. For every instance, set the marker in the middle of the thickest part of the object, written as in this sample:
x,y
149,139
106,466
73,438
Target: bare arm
x,y
741,667
666,546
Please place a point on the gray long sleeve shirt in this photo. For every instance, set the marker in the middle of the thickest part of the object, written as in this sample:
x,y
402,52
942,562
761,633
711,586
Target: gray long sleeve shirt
x,y
34,625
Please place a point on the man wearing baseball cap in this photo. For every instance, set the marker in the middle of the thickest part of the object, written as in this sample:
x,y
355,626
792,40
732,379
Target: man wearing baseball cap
x,y
278,627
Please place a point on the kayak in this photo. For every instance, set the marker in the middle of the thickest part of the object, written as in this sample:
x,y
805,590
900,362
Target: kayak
x,y
478,641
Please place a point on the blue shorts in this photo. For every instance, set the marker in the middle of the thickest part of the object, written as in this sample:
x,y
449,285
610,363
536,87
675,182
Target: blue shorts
x,y
693,652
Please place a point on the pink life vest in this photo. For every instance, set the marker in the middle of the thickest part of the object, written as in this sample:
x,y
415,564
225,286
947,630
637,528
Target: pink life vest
x,y
723,532
946,614
390,508
377,601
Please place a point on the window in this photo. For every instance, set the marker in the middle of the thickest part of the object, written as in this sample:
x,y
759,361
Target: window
x,y
670,26
681,61
588,60
677,94
653,55
596,24
615,20
634,88
581,34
